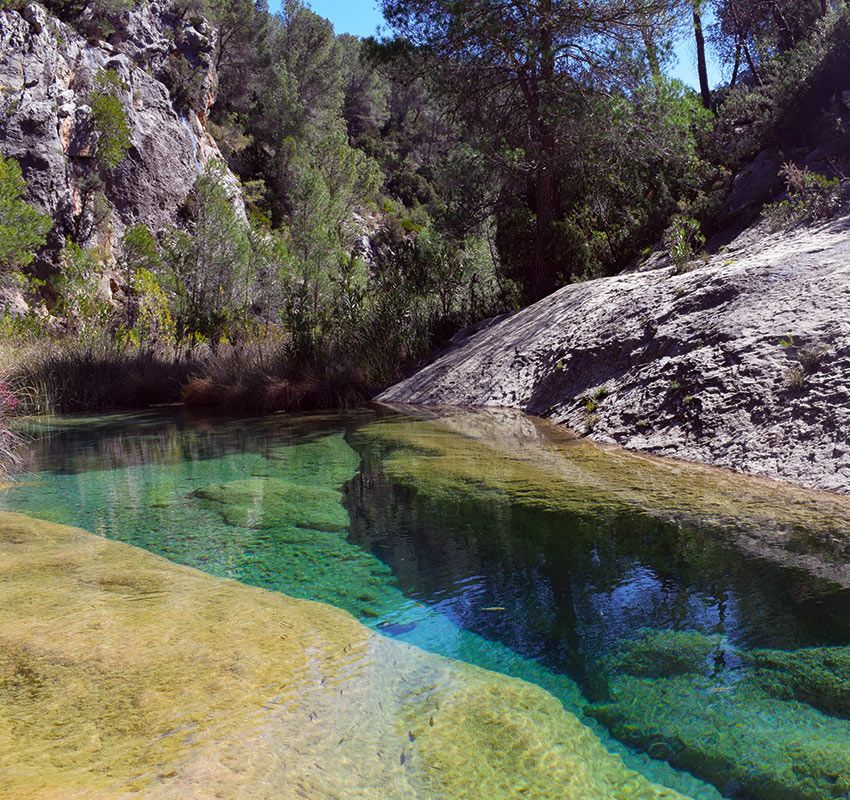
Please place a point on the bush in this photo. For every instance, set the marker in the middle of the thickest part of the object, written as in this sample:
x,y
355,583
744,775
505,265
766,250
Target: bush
x,y
811,198
683,240
786,106
110,119
23,229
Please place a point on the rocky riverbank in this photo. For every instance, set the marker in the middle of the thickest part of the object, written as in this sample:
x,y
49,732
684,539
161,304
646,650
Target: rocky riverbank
x,y
742,362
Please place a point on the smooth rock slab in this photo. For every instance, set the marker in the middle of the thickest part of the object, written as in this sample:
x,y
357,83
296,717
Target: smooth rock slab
x,y
699,366
122,674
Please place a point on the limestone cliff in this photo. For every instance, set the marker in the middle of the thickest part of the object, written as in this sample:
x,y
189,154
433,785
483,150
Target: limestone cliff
x,y
742,362
47,72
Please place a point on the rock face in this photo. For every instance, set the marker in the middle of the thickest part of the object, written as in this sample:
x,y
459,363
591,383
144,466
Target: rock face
x,y
47,71
743,362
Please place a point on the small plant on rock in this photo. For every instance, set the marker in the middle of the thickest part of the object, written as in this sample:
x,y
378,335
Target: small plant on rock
x,y
110,119
812,197
795,377
683,240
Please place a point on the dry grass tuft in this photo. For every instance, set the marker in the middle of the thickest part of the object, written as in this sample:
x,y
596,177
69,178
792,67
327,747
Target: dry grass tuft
x,y
61,376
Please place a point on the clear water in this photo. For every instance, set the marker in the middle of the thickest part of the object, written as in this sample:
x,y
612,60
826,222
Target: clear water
x,y
713,667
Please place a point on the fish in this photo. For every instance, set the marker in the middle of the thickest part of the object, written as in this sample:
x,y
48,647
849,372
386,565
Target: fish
x,y
396,628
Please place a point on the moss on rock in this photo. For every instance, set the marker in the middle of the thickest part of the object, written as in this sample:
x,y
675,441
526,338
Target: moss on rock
x,y
122,673
266,503
735,736
516,460
664,653
819,676
741,729
328,461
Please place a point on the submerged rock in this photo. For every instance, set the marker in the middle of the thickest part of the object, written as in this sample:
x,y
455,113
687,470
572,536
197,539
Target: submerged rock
x,y
663,654
731,726
501,458
328,461
266,503
122,673
819,676
295,485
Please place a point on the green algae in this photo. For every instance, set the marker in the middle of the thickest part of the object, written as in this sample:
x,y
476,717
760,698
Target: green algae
x,y
664,653
664,692
819,676
157,507
123,673
509,744
511,461
328,461
295,485
734,736
531,464
701,709
264,503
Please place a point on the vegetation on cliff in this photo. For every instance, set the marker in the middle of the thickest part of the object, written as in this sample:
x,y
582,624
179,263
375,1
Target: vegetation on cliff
x,y
400,189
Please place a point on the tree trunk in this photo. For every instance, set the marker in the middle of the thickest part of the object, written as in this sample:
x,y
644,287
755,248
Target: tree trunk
x,y
752,64
543,282
737,66
702,63
544,201
652,56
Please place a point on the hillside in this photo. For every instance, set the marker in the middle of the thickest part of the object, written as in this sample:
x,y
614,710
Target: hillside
x,y
743,362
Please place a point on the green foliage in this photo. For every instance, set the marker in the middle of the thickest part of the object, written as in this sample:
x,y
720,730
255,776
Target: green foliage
x,y
80,302
397,191
110,119
683,240
95,19
811,198
785,100
148,320
207,273
23,229
153,324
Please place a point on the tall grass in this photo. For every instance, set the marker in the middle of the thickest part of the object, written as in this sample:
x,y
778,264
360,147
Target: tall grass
x,y
266,380
57,376
8,440
314,366
63,376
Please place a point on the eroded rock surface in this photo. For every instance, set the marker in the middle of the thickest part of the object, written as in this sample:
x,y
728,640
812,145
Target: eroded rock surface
x,y
743,362
47,72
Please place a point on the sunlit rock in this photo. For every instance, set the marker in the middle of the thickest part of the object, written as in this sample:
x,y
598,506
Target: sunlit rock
x,y
122,672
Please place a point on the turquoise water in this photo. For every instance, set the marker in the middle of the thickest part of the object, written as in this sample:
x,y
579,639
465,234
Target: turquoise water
x,y
714,673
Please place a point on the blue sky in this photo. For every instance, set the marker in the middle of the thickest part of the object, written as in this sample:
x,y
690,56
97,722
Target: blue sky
x,y
362,17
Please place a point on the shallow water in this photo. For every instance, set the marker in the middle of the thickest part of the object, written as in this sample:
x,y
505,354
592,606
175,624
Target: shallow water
x,y
698,623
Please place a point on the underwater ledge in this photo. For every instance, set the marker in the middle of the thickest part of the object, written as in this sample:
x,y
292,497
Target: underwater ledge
x,y
123,674
498,455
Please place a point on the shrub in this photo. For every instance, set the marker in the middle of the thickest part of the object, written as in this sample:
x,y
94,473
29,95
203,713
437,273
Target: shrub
x,y
683,240
23,229
811,198
79,302
110,119
787,102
